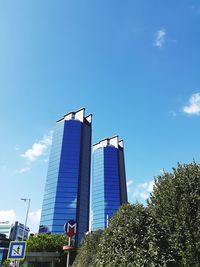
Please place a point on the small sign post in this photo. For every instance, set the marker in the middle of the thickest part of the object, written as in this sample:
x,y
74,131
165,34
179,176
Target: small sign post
x,y
70,230
16,251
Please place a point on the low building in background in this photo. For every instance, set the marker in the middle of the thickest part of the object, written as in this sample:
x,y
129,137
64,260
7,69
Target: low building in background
x,y
10,232
4,245
5,228
18,232
43,229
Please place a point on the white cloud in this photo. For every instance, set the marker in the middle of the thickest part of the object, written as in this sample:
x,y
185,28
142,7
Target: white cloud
x,y
26,169
38,149
148,186
34,220
34,216
140,192
193,107
144,195
7,215
129,183
160,38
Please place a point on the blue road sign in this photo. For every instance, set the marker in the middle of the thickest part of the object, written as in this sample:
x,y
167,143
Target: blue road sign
x,y
17,250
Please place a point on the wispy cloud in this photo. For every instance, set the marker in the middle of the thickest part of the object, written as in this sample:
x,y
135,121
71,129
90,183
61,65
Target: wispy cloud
x,y
160,38
7,215
144,195
38,148
34,220
140,191
172,113
34,216
147,186
174,41
129,183
25,169
193,107
162,171
16,148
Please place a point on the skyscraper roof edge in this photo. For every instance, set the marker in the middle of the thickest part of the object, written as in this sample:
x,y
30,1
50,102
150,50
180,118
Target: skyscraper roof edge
x,y
76,115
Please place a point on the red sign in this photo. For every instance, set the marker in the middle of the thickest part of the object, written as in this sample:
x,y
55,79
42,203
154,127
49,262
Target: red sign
x,y
67,247
70,228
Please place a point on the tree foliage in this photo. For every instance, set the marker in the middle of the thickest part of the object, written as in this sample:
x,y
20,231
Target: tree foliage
x,y
175,202
166,233
133,238
5,263
48,243
87,253
51,243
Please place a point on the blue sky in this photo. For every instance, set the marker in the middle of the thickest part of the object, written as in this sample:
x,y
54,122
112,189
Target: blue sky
x,y
134,65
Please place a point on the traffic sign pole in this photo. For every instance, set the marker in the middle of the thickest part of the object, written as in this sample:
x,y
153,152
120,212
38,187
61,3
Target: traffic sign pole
x,y
70,230
69,241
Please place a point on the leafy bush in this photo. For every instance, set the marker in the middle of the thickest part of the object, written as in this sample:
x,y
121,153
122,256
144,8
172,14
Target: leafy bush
x,y
166,233
87,253
175,202
134,238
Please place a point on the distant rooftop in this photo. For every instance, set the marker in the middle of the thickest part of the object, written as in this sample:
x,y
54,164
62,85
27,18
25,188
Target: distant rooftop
x,y
112,141
76,115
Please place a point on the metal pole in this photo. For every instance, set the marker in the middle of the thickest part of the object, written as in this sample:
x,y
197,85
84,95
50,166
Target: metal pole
x,y
29,200
69,241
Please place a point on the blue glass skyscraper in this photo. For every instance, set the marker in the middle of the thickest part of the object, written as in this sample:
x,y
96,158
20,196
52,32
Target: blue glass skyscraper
x,y
67,186
109,189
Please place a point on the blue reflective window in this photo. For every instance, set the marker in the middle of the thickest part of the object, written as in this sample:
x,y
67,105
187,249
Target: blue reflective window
x,y
66,199
64,194
65,182
47,217
67,204
98,225
63,216
62,222
59,231
98,204
67,189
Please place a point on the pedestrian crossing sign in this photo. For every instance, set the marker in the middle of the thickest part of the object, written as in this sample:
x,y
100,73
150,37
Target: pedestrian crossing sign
x,y
17,250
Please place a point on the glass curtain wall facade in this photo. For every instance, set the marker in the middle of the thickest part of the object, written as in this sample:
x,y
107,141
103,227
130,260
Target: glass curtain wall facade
x,y
108,190
67,186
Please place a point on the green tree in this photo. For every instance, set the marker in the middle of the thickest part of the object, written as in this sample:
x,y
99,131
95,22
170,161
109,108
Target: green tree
x,y
44,242
5,263
51,243
133,238
175,202
87,253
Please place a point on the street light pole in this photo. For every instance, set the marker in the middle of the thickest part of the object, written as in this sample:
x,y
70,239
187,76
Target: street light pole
x,y
29,200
